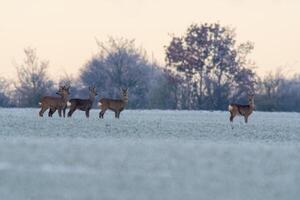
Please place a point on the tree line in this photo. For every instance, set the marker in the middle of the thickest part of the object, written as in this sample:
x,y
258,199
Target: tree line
x,y
205,69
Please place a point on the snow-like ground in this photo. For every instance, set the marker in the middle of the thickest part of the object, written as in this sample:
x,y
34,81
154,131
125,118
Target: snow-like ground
x,y
166,155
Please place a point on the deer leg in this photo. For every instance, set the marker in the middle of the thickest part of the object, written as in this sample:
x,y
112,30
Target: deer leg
x,y
87,113
231,117
101,114
246,119
59,112
64,111
116,114
51,111
71,111
43,109
120,112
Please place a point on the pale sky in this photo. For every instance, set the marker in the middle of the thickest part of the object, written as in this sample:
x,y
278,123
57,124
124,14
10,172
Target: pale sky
x,y
64,31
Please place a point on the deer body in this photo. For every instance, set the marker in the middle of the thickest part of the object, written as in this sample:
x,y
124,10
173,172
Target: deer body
x,y
115,105
54,103
83,104
241,110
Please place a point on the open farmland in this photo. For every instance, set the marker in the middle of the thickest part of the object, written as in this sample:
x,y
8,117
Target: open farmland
x,y
149,155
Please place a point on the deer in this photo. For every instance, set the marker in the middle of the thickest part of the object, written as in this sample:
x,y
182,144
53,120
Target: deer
x,y
83,104
55,103
115,105
242,110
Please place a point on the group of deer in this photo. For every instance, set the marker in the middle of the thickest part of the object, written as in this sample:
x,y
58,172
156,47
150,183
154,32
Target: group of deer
x,y
116,105
61,102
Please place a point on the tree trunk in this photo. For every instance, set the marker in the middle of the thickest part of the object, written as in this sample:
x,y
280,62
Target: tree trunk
x,y
201,88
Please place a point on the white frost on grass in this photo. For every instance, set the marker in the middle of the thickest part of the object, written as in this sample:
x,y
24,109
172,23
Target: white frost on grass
x,y
149,155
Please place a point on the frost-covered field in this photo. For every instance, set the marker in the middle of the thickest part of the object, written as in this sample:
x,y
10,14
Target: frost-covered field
x,y
149,155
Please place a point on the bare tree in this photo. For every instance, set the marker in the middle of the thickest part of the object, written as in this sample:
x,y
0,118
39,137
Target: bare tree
x,y
33,81
120,64
210,60
5,93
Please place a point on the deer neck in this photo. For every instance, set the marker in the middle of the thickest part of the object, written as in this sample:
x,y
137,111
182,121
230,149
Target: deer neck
x,y
251,103
125,99
64,98
92,97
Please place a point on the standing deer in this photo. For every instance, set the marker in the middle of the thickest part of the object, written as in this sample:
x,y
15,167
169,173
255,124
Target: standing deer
x,y
116,105
55,103
242,110
83,104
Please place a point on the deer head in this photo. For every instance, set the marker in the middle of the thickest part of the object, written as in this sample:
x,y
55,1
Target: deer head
x,y
124,94
251,98
93,92
63,91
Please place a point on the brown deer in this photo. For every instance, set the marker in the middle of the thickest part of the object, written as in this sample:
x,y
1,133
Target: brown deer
x,y
83,104
242,110
116,105
55,103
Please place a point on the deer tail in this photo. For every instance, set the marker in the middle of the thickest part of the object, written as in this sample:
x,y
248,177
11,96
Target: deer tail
x,y
40,103
68,103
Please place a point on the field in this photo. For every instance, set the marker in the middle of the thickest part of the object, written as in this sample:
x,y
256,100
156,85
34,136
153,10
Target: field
x,y
167,155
